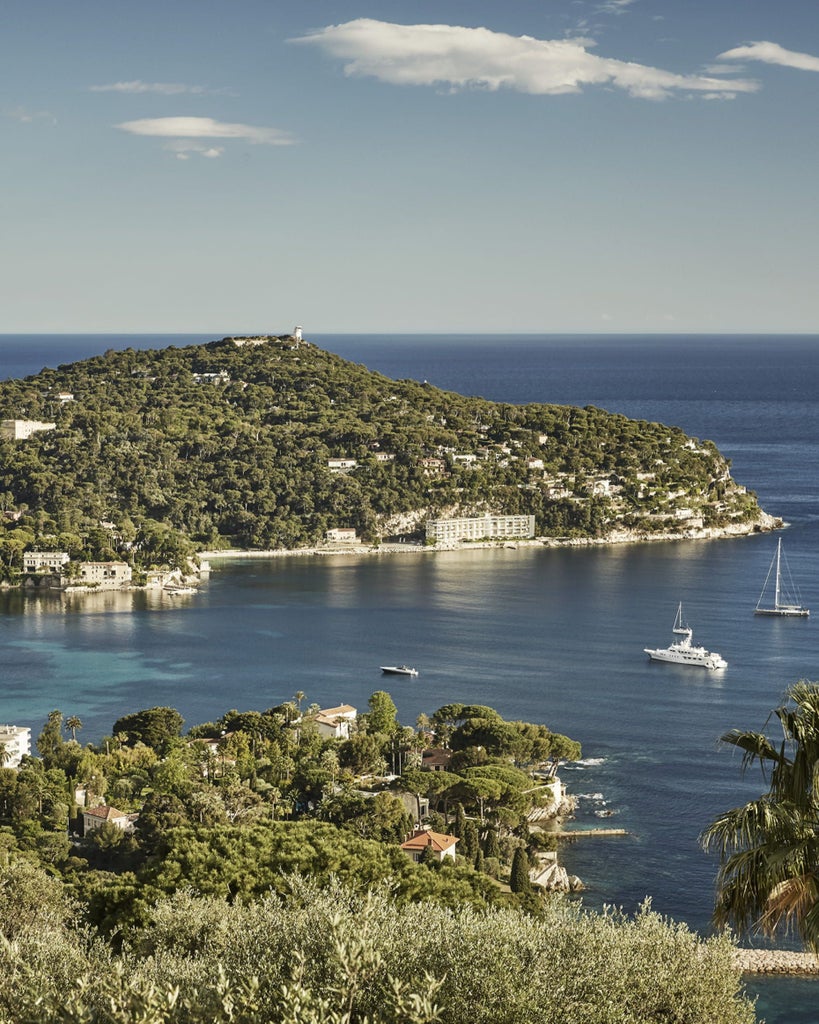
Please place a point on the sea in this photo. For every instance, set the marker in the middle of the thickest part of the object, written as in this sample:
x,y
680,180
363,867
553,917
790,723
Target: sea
x,y
554,636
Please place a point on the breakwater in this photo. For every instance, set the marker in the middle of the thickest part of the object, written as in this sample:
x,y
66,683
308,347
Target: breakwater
x,y
776,961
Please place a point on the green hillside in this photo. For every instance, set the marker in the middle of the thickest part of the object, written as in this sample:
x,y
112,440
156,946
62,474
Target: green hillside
x,y
228,444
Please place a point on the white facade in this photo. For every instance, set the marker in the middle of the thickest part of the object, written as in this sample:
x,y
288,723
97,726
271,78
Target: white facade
x,y
95,817
334,723
444,531
342,535
221,377
297,333
341,465
19,430
44,561
17,741
105,574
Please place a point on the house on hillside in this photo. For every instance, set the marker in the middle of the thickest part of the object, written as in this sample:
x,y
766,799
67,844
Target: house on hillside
x,y
442,846
435,759
334,723
95,817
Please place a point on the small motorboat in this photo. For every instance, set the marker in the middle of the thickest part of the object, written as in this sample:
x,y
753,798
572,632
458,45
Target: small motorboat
x,y
399,670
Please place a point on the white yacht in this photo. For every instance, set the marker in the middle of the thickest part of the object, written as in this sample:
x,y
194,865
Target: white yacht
x,y
399,670
683,652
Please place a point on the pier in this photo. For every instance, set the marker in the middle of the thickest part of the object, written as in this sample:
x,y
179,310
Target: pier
x,y
576,833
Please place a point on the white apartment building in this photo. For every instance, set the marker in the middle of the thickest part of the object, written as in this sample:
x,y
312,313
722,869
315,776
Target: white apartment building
x,y
16,740
449,531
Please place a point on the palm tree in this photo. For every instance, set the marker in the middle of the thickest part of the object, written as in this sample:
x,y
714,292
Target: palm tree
x,y
72,723
768,879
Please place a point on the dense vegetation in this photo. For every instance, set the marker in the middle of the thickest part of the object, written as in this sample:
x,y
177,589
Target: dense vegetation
x,y
332,956
156,453
235,805
264,881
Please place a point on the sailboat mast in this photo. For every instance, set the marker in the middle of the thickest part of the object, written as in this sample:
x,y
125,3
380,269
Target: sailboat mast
x,y
778,553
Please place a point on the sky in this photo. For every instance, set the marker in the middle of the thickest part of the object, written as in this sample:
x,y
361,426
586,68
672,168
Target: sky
x,y
547,166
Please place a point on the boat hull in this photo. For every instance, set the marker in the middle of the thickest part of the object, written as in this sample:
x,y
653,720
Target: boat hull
x,y
398,670
708,660
790,613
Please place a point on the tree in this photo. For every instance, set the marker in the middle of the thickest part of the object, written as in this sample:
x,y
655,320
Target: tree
x,y
519,877
768,877
50,740
73,723
383,716
155,727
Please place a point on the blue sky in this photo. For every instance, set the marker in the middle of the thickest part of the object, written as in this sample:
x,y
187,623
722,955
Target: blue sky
x,y
549,166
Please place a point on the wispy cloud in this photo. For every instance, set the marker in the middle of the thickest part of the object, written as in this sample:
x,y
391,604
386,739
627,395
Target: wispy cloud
x,y
25,116
464,58
183,149
183,129
162,88
772,53
614,6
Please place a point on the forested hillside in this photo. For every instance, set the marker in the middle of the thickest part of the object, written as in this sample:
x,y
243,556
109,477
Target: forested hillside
x,y
156,452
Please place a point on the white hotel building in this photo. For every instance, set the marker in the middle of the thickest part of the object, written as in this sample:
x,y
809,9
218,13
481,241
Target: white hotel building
x,y
450,531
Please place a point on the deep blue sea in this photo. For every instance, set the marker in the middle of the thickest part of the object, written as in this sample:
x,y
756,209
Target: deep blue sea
x,y
553,636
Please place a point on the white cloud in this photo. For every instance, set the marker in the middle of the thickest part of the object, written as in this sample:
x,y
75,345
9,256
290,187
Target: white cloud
x,y
137,87
772,53
480,58
206,128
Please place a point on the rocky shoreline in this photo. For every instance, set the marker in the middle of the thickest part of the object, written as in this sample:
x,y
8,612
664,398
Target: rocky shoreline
x,y
763,524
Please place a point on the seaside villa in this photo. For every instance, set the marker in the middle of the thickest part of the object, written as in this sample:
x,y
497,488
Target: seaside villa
x,y
442,846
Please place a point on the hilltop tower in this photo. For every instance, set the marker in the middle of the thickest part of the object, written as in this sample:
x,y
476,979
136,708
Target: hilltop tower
x,y
297,333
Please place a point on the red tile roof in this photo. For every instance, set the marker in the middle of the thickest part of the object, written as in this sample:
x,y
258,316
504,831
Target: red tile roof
x,y
422,838
106,813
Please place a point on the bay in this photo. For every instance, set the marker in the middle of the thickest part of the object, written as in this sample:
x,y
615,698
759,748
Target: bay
x,y
547,635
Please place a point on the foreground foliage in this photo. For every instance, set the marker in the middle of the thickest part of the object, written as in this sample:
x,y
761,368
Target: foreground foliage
x,y
769,849
329,955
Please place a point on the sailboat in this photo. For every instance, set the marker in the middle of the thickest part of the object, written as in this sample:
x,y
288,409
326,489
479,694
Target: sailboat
x,y
786,602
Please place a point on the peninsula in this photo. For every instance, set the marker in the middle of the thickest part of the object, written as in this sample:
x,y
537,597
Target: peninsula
x,y
144,458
